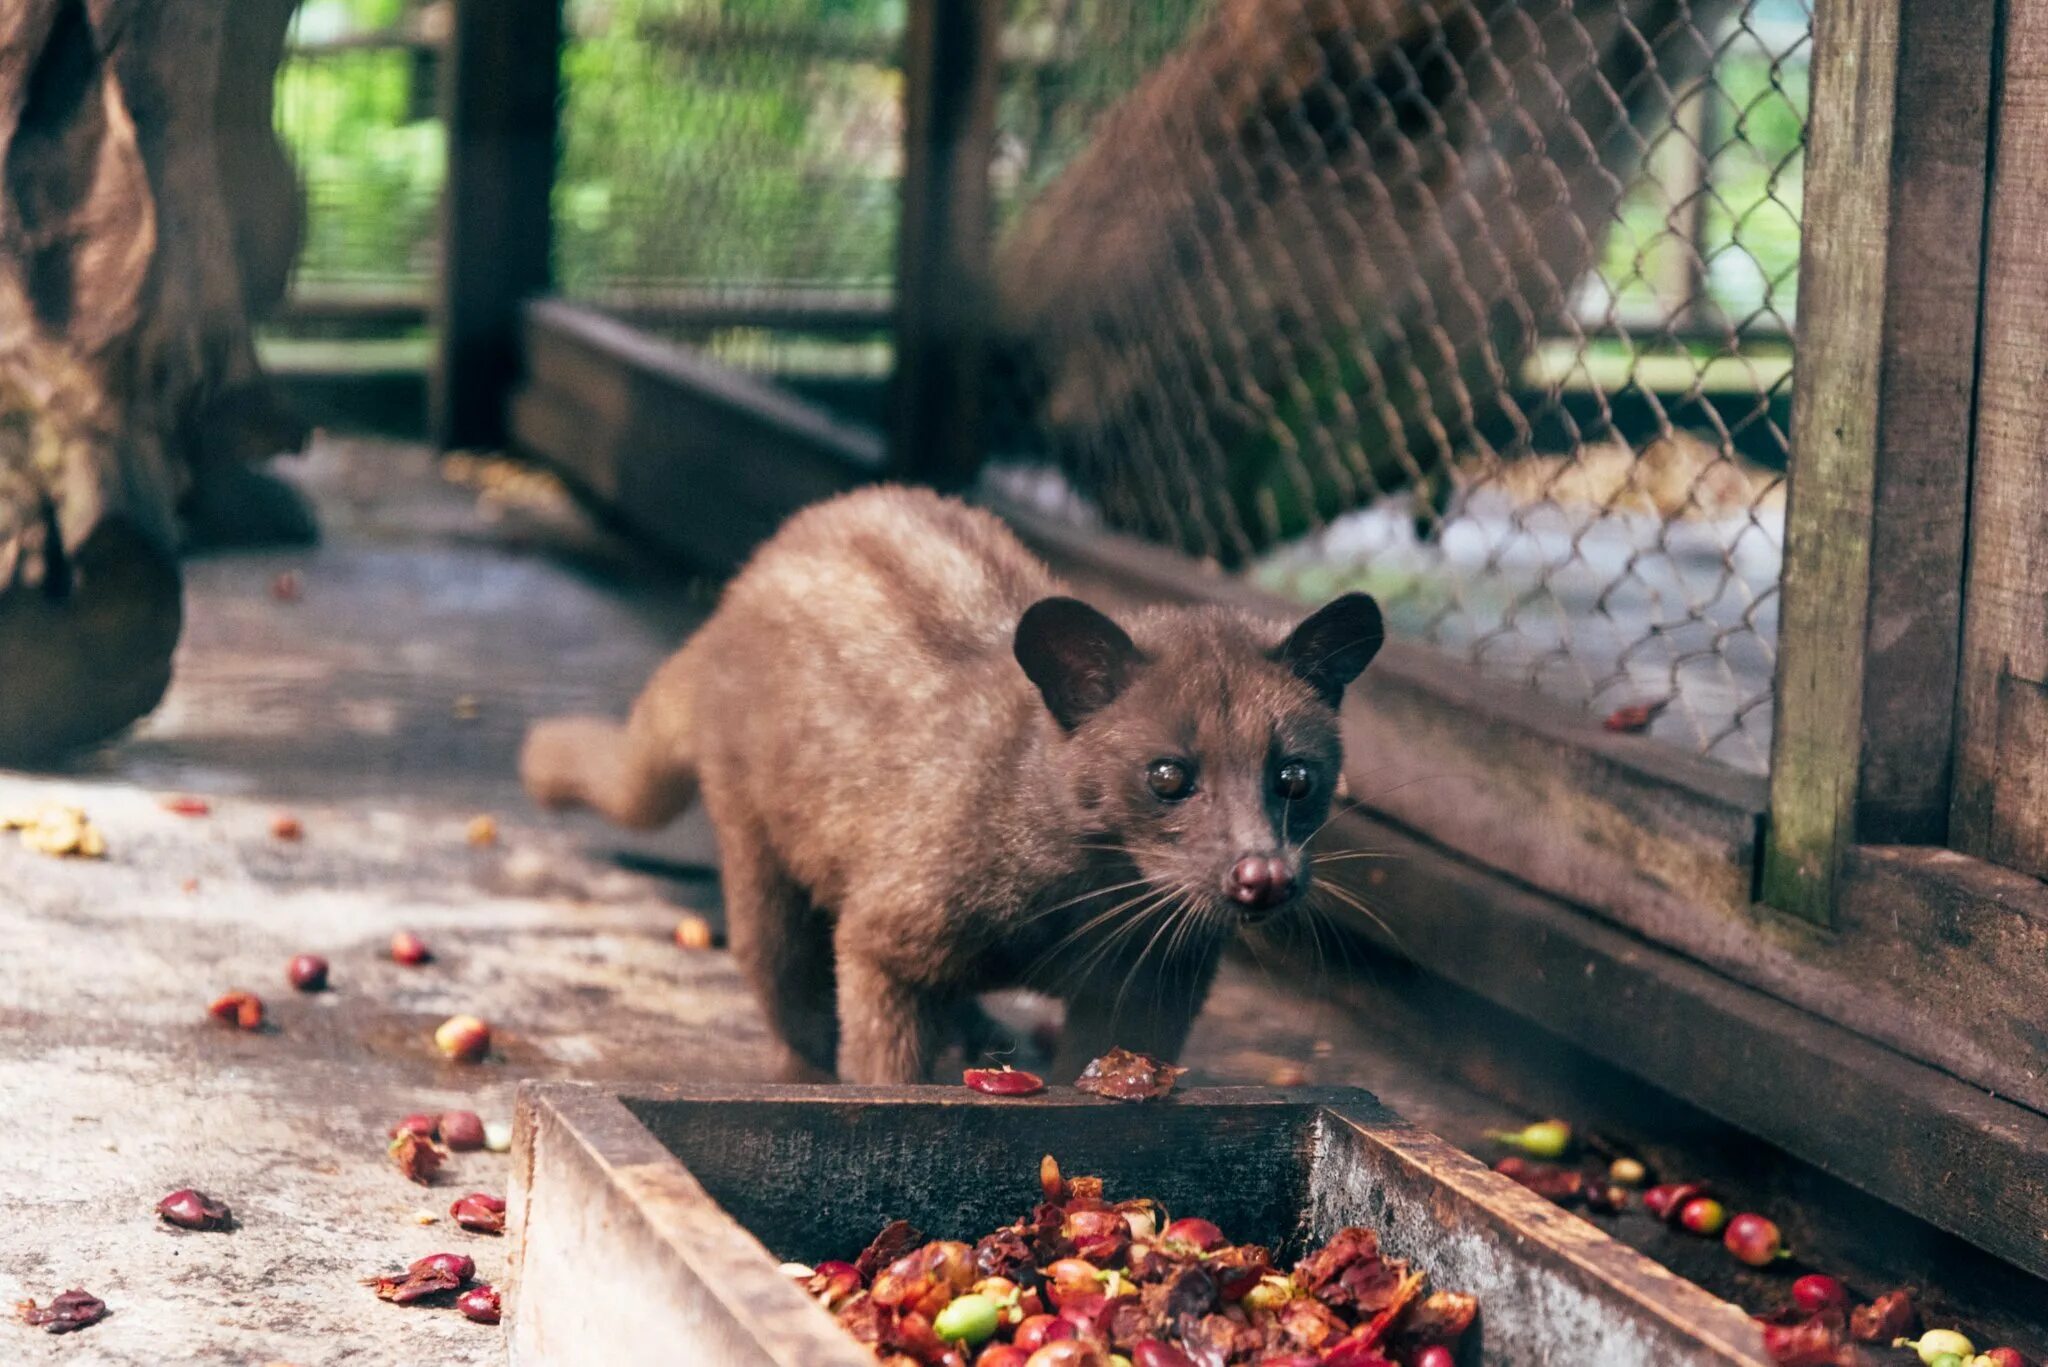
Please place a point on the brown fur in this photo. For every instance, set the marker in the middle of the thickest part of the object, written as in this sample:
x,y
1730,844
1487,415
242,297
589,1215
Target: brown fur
x,y
907,817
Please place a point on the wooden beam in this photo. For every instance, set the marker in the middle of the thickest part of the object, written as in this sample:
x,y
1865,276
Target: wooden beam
x,y
943,268
2001,782
496,232
704,461
1870,628
1852,1108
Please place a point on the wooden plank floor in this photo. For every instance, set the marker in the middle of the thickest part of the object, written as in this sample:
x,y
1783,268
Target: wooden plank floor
x,y
342,707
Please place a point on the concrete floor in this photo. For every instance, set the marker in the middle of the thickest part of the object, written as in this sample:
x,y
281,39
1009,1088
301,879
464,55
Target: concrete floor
x,y
341,707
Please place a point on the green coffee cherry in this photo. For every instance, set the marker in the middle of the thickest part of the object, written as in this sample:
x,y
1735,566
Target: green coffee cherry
x,y
1544,1139
1936,1343
970,1318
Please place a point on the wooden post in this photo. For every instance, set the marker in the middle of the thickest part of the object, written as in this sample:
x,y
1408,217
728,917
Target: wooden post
x,y
943,246
2001,787
500,110
1889,298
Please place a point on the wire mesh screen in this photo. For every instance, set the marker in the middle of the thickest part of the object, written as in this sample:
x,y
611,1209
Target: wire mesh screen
x,y
1482,306
730,177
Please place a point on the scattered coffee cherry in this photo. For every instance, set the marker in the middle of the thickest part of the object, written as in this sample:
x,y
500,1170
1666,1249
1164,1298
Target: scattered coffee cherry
x,y
479,1213
422,1125
458,1265
482,831
1153,1353
1122,1075
1608,1198
1817,1291
307,972
1888,1317
1703,1216
285,826
1002,1355
1565,1186
1936,1343
967,1319
419,1158
1999,1357
1195,1232
408,948
1754,1240
431,1276
1436,1355
1004,1081
1667,1200
1050,1184
243,1010
1627,1171
480,1303
1544,1139
498,1136
288,587
1635,717
461,1131
465,1039
693,932
184,804
1270,1293
67,1312
1068,1353
189,1209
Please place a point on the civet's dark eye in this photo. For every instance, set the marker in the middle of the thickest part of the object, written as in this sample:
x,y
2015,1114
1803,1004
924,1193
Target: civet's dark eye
x,y
1294,781
1171,779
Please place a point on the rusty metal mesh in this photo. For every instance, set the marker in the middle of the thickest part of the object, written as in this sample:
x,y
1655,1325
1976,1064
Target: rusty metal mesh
x,y
1483,307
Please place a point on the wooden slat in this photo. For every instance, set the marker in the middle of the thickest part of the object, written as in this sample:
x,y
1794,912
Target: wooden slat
x,y
703,460
1940,137
2003,716
943,249
1957,1157
500,95
1873,550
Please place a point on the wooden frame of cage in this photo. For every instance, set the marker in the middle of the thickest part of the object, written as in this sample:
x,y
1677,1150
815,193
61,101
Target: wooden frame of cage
x,y
1869,997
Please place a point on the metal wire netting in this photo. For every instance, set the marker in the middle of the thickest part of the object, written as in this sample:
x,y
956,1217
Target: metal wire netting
x,y
730,180
1484,307
357,107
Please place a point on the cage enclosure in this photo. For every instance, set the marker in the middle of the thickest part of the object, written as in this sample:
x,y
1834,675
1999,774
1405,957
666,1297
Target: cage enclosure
x,y
1633,353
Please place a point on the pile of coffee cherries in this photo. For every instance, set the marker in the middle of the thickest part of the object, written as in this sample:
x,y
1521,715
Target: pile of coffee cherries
x,y
1820,1326
1084,1282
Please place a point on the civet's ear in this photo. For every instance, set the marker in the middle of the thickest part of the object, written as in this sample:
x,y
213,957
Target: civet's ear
x,y
1079,659
1334,645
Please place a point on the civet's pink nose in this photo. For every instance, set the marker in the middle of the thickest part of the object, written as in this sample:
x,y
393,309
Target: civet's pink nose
x,y
1260,881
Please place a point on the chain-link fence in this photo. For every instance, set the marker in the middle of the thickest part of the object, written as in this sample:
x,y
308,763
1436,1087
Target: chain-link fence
x,y
1484,307
730,180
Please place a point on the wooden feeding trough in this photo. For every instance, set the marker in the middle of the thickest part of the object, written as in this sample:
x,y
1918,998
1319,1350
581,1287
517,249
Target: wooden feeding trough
x,y
647,1227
